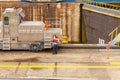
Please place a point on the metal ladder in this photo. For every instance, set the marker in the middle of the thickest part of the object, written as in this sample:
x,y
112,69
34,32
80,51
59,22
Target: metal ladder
x,y
6,38
47,40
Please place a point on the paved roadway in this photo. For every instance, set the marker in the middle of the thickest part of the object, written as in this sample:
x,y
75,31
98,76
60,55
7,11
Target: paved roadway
x,y
66,57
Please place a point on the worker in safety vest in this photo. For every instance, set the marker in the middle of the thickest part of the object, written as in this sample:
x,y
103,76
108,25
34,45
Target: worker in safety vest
x,y
56,42
47,25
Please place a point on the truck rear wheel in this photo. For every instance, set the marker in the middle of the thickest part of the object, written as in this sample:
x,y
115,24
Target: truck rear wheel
x,y
41,47
34,47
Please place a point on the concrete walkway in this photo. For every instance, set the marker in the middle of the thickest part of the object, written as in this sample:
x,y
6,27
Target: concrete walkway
x,y
66,57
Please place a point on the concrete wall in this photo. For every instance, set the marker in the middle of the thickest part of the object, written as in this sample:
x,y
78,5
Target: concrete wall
x,y
99,26
96,25
67,13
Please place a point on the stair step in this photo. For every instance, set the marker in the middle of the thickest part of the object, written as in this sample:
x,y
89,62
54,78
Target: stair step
x,y
6,42
6,48
6,39
47,37
47,40
47,43
47,46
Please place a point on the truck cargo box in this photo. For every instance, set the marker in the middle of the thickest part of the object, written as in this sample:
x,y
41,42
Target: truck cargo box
x,y
31,31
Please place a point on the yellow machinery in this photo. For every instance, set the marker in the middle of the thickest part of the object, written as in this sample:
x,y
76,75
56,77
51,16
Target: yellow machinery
x,y
64,39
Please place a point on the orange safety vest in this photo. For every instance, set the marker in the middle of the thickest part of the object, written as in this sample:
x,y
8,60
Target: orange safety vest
x,y
47,24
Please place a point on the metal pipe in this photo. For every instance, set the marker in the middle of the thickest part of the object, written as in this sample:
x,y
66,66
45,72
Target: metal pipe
x,y
81,16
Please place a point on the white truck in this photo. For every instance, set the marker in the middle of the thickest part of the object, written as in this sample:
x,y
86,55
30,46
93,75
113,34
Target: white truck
x,y
16,34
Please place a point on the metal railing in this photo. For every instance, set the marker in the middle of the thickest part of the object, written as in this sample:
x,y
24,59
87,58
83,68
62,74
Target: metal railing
x,y
105,5
101,10
54,22
114,34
